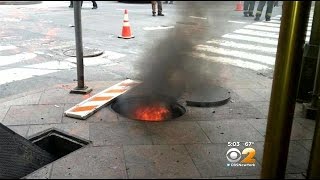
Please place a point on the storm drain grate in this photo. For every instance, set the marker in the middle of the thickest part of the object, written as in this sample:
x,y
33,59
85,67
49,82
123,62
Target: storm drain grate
x,y
20,157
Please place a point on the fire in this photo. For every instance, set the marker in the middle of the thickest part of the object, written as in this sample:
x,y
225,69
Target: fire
x,y
154,112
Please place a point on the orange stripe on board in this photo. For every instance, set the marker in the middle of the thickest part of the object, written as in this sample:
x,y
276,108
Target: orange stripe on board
x,y
105,98
115,91
83,108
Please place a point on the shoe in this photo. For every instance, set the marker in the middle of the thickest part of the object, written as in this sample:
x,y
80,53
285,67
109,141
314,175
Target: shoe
x,y
153,14
251,15
70,6
160,14
95,7
245,15
257,18
268,19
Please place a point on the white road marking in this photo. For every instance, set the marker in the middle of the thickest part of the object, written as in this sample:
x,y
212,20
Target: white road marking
x,y
9,47
102,59
252,39
257,33
262,28
232,61
267,24
5,60
157,28
53,65
197,17
238,22
238,54
232,44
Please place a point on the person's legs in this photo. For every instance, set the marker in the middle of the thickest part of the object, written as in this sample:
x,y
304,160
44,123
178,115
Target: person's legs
x,y
246,8
153,5
71,4
251,8
269,10
259,10
94,4
160,8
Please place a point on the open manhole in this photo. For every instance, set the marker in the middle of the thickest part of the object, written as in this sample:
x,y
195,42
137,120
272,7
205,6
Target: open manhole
x,y
57,143
148,108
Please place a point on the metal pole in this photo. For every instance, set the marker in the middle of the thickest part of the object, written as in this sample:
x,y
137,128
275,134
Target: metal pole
x,y
284,88
81,89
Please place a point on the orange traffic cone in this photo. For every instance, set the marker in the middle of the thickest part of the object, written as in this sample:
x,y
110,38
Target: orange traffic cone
x,y
239,6
126,30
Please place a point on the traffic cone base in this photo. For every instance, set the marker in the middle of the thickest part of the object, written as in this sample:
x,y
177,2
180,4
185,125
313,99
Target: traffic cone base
x,y
239,6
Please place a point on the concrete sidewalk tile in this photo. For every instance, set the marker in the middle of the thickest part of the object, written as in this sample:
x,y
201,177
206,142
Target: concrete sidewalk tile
x,y
21,130
306,144
25,100
259,124
249,177
91,163
307,123
176,132
229,131
42,173
298,156
211,161
265,93
105,114
242,84
3,111
249,95
159,161
262,106
33,114
119,133
61,96
295,176
77,129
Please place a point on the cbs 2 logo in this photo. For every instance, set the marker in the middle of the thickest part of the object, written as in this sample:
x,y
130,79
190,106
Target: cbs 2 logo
x,y
234,155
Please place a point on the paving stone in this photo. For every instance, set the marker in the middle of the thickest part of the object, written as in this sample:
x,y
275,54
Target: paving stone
x,y
21,130
265,93
61,96
306,144
159,161
75,129
297,132
306,123
33,114
230,131
42,173
248,177
119,133
176,132
249,95
298,157
3,112
211,161
91,163
25,100
105,114
262,106
295,176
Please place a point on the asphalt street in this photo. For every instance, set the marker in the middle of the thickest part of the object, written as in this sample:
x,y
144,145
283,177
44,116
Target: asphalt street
x,y
34,38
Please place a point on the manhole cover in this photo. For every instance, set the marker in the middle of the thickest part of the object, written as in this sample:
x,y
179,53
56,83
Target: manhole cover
x,y
148,108
87,52
208,96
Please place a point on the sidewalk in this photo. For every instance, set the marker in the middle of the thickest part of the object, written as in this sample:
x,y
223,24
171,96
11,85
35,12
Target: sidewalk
x,y
192,146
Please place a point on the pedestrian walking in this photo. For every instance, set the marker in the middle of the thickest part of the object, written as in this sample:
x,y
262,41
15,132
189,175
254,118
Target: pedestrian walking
x,y
260,9
159,8
248,7
94,4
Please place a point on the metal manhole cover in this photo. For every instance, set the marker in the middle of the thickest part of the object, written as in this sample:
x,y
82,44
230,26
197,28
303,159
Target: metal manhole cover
x,y
87,52
208,96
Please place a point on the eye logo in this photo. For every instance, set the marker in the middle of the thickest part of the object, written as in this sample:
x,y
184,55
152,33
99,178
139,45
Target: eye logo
x,y
233,155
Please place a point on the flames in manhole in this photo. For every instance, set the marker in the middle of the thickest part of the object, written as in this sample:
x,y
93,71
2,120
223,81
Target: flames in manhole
x,y
148,108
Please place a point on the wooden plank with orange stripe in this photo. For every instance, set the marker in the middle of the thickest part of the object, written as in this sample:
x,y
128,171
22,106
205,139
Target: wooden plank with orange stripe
x,y
91,105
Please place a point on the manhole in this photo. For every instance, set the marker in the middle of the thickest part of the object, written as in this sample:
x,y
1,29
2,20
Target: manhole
x,y
148,108
87,52
57,143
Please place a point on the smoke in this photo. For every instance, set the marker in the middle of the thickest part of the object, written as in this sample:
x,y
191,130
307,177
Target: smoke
x,y
167,68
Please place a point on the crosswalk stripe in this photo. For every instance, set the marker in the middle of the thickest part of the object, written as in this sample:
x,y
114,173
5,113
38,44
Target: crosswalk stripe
x,y
267,24
232,61
262,28
238,54
252,39
9,47
53,65
16,74
232,44
257,33
6,60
